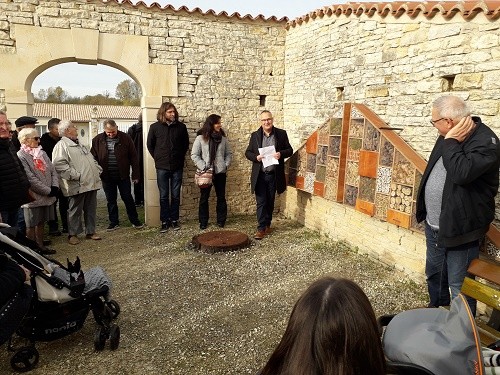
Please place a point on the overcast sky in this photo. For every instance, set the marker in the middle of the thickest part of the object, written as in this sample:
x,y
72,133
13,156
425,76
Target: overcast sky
x,y
81,80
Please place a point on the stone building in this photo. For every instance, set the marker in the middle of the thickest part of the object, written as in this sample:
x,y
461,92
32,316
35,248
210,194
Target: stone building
x,y
393,57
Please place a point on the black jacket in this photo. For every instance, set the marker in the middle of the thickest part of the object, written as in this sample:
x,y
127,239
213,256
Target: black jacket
x,y
14,183
468,205
135,132
168,145
11,278
48,143
125,153
282,145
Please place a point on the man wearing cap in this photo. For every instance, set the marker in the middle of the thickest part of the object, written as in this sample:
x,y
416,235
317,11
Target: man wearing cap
x,y
21,123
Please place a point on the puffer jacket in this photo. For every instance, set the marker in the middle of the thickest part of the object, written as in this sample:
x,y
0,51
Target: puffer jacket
x,y
78,171
40,182
200,154
14,184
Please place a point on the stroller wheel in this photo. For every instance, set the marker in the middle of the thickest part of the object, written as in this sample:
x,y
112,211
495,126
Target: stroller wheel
x,y
114,308
114,337
99,339
25,359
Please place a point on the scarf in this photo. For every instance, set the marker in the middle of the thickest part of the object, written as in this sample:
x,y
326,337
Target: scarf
x,y
37,155
214,142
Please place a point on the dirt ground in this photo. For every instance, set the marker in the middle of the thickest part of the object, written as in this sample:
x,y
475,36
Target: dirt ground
x,y
185,312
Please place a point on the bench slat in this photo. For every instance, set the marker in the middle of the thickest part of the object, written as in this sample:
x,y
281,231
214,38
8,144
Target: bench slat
x,y
481,292
486,270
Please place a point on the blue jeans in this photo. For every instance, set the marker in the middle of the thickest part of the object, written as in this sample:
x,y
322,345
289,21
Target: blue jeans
x,y
124,186
446,268
265,193
169,185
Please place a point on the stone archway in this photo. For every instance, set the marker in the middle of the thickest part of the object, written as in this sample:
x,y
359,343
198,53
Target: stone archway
x,y
39,48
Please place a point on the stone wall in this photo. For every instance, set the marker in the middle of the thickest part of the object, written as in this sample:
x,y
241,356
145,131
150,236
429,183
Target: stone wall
x,y
224,65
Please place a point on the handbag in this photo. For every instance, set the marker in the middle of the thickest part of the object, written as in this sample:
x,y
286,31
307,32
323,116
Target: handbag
x,y
203,178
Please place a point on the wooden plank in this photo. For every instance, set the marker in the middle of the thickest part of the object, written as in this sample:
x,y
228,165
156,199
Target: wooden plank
x,y
368,163
481,292
485,270
398,218
365,207
312,144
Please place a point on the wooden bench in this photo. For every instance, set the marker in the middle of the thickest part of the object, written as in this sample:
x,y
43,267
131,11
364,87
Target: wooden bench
x,y
486,289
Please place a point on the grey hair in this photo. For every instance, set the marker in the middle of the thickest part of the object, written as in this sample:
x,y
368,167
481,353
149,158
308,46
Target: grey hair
x,y
27,133
451,107
63,126
3,113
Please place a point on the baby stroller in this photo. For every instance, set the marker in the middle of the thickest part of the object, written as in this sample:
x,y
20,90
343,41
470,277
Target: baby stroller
x,y
433,341
63,297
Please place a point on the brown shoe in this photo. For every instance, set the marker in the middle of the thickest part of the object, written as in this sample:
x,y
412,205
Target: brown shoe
x,y
94,237
259,235
73,240
269,230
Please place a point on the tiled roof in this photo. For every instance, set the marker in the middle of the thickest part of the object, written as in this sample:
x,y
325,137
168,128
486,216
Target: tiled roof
x,y
83,112
428,9
195,10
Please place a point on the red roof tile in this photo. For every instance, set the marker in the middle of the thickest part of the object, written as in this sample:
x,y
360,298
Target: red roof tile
x,y
84,112
428,9
183,8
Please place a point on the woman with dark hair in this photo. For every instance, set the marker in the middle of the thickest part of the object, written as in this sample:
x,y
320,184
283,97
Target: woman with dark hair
x,y
332,331
211,150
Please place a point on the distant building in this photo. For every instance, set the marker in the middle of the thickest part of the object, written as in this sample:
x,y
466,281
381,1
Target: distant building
x,y
88,118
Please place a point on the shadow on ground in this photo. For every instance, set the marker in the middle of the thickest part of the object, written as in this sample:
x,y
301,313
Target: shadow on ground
x,y
185,312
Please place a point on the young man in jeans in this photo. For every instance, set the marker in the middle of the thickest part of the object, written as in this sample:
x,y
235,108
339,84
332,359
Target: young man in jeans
x,y
168,142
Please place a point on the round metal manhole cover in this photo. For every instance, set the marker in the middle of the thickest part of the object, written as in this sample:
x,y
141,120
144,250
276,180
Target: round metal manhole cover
x,y
220,240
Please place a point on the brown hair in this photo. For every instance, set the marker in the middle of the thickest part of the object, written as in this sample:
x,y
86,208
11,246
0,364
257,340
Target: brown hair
x,y
332,331
160,116
208,126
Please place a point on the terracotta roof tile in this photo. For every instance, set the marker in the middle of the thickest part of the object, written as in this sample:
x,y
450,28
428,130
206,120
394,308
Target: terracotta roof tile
x,y
428,9
84,112
183,8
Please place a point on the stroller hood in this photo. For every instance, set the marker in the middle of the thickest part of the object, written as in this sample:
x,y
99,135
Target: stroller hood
x,y
444,342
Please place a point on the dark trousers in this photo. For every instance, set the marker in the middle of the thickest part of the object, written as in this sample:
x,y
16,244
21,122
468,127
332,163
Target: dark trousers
x,y
265,193
124,187
11,216
139,192
63,212
219,183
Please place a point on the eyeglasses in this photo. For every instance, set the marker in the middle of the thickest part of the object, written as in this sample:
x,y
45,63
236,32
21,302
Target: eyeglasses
x,y
433,122
36,138
266,119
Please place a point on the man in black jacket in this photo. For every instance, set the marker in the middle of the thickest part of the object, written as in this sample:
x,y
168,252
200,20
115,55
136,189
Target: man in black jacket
x,y
267,179
14,183
456,197
168,142
135,132
115,153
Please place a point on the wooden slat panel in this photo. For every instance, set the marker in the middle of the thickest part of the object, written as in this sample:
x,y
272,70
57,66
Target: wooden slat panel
x,y
368,163
481,292
312,144
365,207
485,270
398,218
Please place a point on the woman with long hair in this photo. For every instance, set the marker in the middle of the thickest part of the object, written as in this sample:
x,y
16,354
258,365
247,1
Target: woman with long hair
x,y
211,150
44,182
332,331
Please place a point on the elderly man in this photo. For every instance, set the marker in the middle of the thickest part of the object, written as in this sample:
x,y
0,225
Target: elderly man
x,y
79,181
456,197
14,185
267,179
115,152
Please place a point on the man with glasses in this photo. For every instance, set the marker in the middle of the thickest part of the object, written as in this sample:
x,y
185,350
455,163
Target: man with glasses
x,y
14,183
456,197
269,177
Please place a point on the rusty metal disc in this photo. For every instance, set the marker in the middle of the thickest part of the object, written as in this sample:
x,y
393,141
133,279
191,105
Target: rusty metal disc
x,y
220,240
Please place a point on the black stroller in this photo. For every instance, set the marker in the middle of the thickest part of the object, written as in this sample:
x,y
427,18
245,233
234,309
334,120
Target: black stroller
x,y
62,299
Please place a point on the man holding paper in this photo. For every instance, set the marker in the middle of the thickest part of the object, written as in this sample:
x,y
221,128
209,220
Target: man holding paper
x,y
267,149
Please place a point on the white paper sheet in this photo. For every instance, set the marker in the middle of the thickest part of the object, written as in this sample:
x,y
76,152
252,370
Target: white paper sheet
x,y
268,156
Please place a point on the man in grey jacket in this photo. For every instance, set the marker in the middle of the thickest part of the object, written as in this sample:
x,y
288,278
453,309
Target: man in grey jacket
x,y
79,179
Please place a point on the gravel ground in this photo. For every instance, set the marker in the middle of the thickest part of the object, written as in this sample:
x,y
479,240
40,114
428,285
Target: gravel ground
x,y
185,312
